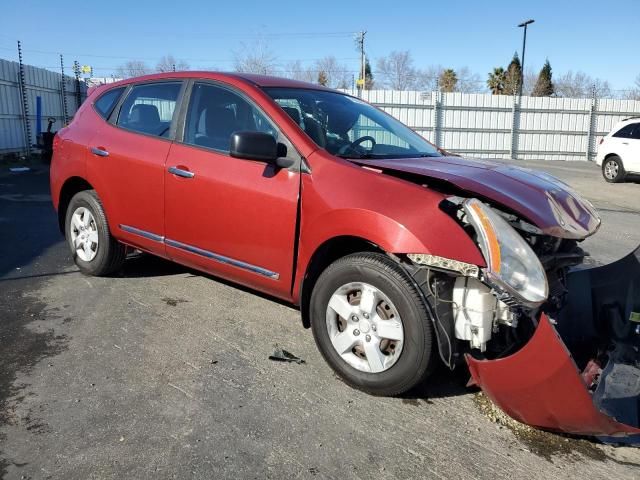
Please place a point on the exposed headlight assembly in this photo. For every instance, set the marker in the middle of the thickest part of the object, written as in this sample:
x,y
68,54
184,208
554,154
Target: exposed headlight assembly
x,y
512,267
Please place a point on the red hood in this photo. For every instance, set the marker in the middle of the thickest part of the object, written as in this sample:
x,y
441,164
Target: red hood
x,y
542,199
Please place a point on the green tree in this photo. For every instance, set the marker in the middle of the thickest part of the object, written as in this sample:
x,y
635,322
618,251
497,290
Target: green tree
x,y
513,76
544,86
368,76
496,79
448,80
322,78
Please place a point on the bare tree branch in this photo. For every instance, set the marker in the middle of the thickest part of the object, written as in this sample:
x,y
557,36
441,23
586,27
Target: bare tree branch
x,y
396,71
337,74
581,85
133,68
256,58
297,71
168,63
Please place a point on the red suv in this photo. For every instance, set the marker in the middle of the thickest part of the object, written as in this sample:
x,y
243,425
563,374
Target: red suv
x,y
398,254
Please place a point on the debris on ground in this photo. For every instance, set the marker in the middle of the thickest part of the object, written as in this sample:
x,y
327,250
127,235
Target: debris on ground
x,y
544,444
281,355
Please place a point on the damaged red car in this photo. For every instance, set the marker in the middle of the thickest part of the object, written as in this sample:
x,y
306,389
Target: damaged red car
x,y
398,254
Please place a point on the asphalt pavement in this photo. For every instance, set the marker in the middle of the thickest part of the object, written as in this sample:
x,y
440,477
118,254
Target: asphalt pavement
x,y
163,372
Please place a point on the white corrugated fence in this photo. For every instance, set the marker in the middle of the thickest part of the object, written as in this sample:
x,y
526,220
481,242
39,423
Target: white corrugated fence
x,y
472,124
39,82
484,125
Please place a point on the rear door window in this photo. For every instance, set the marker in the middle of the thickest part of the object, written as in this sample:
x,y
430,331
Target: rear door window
x,y
626,131
635,134
150,108
104,105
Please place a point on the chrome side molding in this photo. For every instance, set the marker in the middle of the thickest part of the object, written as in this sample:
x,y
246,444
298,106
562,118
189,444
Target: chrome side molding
x,y
203,253
143,233
222,259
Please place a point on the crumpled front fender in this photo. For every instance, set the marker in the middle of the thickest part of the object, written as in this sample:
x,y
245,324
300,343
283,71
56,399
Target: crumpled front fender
x,y
541,384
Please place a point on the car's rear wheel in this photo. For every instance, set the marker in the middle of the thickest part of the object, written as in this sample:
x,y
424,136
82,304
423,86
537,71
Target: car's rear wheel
x,y
371,325
93,248
612,169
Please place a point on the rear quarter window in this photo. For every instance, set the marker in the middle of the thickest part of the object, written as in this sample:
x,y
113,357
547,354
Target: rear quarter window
x,y
104,105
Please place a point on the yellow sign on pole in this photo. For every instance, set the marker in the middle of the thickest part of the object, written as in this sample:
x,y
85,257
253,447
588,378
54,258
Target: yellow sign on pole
x,y
360,82
86,69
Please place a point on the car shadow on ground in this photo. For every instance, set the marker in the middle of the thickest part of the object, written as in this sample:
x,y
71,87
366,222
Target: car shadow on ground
x,y
143,265
442,383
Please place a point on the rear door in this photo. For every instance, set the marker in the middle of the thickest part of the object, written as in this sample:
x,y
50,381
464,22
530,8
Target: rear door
x,y
233,217
127,158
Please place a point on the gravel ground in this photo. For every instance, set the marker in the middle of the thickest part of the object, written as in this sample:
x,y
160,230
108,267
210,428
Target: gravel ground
x,y
162,372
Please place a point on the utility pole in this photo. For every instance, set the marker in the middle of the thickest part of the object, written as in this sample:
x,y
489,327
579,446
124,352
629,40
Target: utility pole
x,y
524,45
362,80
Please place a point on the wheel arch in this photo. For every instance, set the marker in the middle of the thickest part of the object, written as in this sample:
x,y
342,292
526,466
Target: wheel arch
x,y
71,186
612,154
328,252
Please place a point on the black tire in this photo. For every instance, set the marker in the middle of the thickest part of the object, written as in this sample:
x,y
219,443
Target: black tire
x,y
416,357
110,254
613,169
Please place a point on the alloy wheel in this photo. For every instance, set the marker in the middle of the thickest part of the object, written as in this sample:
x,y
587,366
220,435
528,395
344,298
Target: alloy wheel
x,y
364,327
611,169
84,234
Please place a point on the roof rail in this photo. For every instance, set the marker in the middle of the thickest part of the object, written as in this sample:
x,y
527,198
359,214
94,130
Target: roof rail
x,y
631,118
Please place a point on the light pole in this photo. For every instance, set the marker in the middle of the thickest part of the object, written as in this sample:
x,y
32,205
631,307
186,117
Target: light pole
x,y
524,45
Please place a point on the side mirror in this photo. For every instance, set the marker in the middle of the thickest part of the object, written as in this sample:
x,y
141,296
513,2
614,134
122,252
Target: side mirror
x,y
254,146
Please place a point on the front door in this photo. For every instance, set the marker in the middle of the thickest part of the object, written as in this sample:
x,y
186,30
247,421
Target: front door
x,y
235,218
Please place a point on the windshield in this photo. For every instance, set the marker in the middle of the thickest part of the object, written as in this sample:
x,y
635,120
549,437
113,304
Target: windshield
x,y
348,127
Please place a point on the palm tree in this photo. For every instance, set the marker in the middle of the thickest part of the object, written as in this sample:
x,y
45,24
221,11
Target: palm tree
x,y
448,80
496,81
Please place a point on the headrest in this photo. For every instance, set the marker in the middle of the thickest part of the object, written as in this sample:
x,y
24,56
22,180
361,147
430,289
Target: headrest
x,y
220,121
143,113
293,113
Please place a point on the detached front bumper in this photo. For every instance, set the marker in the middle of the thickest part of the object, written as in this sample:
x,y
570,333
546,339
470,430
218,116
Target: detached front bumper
x,y
580,372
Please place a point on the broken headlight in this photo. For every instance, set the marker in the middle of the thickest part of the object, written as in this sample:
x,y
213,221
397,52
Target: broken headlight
x,y
512,267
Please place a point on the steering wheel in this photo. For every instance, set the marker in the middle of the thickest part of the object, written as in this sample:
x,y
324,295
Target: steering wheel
x,y
356,143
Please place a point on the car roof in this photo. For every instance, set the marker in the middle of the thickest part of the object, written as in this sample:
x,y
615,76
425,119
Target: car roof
x,y
250,78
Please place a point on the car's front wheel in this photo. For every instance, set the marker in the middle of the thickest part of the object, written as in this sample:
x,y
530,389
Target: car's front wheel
x,y
612,169
93,248
371,324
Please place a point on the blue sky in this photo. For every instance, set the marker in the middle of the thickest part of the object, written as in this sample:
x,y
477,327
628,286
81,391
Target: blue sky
x,y
597,37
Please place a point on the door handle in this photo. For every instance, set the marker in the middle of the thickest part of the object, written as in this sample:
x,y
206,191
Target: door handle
x,y
625,143
180,172
101,152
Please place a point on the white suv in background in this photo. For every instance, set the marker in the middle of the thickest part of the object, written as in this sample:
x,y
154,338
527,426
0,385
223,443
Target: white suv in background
x,y
619,151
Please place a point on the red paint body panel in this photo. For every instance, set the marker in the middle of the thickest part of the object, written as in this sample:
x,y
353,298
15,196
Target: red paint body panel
x,y
343,199
540,385
132,177
236,208
547,202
